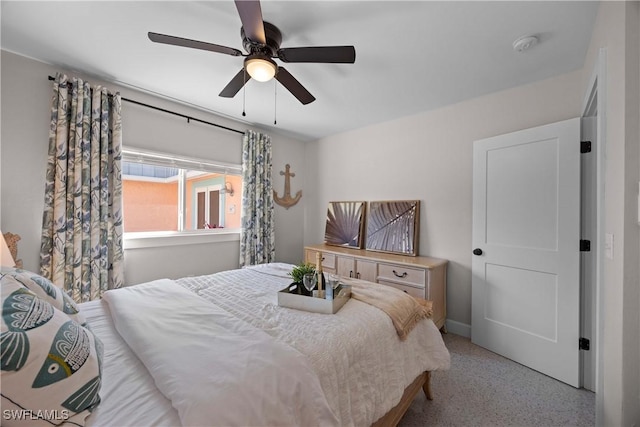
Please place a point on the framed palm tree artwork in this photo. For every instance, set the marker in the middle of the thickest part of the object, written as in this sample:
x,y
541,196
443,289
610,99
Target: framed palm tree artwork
x,y
345,224
392,226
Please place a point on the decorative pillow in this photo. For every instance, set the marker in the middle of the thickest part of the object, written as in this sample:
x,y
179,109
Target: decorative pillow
x,y
51,366
45,289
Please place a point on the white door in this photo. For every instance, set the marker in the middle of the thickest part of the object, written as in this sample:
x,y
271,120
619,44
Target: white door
x,y
526,262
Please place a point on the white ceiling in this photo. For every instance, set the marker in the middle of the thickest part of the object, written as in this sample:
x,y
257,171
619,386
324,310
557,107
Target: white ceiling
x,y
410,56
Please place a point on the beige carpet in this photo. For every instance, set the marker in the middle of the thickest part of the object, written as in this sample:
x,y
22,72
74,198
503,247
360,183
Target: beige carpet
x,y
485,389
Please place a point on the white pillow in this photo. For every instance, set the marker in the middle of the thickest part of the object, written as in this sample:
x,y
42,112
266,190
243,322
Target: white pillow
x,y
51,365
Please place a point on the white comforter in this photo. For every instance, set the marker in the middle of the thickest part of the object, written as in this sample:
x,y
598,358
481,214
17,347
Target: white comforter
x,y
215,369
362,364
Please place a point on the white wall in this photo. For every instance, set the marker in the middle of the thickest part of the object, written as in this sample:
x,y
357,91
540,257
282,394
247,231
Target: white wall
x,y
26,99
616,30
429,157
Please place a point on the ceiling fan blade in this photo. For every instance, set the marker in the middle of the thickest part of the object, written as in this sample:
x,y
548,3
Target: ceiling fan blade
x,y
179,41
294,86
235,84
325,54
251,17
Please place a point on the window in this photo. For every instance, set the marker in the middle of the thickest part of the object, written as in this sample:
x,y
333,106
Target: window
x,y
163,193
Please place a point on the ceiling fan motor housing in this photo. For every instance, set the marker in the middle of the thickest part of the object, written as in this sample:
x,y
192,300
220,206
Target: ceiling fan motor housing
x,y
273,36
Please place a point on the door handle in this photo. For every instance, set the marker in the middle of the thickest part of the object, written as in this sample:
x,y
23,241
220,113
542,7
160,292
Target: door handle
x,y
477,251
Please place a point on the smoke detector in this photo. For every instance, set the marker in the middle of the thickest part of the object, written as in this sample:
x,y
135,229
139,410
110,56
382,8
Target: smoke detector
x,y
525,43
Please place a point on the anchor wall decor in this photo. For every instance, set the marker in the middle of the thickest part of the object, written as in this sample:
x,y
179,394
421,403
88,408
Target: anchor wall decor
x,y
287,201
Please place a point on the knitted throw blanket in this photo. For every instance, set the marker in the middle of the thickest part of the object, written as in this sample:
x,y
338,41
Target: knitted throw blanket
x,y
404,310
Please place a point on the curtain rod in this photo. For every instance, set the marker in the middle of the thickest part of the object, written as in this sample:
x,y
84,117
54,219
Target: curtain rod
x,y
184,116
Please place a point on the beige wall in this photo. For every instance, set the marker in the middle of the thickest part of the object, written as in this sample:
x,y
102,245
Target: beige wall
x,y
429,157
25,103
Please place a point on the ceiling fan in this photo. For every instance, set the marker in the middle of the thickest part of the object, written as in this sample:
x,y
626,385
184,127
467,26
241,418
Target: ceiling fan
x,y
262,42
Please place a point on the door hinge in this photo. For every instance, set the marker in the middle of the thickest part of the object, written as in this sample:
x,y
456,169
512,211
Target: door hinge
x,y
585,245
583,344
585,146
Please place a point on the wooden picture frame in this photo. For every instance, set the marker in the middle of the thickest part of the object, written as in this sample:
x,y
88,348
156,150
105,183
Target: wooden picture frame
x,y
345,224
392,226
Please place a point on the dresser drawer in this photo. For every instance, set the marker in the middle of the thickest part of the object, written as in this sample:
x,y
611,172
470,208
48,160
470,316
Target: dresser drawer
x,y
401,275
413,291
328,260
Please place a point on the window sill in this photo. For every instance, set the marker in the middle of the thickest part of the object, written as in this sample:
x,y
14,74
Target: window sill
x,y
177,238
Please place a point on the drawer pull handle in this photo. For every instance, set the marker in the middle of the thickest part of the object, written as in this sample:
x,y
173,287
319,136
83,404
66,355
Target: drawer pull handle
x,y
402,276
351,273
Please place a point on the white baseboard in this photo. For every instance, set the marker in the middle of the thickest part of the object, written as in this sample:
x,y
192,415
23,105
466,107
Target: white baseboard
x,y
458,328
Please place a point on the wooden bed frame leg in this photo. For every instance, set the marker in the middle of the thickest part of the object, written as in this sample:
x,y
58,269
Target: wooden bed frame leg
x,y
426,387
395,414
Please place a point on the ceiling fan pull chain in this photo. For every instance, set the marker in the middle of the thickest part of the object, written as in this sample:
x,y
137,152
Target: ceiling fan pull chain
x,y
244,92
275,104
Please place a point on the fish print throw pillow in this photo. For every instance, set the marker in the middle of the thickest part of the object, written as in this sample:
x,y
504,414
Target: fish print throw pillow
x,y
51,365
45,289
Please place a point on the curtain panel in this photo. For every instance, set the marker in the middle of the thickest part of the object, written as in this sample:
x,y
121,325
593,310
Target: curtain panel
x,y
81,246
257,238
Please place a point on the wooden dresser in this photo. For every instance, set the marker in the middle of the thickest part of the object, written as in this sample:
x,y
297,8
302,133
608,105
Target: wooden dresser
x,y
420,276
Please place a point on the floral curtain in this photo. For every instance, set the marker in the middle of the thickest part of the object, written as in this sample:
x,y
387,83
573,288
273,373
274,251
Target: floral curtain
x,y
257,239
81,246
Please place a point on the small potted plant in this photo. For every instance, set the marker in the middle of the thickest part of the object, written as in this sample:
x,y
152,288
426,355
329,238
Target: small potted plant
x,y
298,273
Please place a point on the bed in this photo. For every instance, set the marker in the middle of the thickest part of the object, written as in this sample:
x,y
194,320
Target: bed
x,y
229,355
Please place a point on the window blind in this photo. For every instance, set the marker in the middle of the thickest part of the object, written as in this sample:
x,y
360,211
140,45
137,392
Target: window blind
x,y
173,161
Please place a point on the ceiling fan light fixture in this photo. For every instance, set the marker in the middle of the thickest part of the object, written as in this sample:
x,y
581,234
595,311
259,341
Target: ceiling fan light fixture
x,y
260,68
